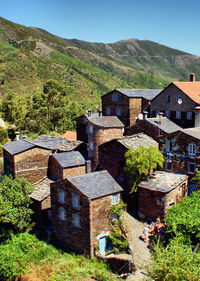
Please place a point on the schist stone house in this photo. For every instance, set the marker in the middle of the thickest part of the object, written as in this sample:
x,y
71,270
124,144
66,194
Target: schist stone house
x,y
158,193
100,130
179,101
127,104
81,211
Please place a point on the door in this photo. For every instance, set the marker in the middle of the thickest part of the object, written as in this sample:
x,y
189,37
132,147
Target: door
x,y
102,245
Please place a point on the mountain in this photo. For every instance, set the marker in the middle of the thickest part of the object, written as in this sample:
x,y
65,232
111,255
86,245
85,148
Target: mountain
x,y
30,56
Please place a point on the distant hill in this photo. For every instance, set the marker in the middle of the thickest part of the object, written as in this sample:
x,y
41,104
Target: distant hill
x,y
30,56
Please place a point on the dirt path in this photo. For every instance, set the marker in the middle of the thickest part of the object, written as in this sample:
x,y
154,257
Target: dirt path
x,y
140,252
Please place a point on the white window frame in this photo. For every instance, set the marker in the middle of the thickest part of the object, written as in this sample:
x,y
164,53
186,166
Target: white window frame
x,y
61,214
118,111
61,195
75,200
115,199
167,113
91,129
91,146
76,219
192,149
189,165
178,114
178,97
189,115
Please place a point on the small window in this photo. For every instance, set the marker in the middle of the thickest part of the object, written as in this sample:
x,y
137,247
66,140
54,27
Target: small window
x,y
115,199
91,146
118,111
91,129
178,115
191,168
76,219
167,99
107,110
189,115
191,149
178,98
59,171
61,194
157,112
168,165
167,113
76,200
115,97
168,146
84,120
62,214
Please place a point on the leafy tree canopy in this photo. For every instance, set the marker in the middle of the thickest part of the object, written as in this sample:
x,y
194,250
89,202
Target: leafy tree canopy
x,y
140,163
14,202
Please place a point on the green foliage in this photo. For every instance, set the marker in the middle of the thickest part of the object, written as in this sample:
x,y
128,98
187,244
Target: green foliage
x,y
197,176
3,140
141,162
14,202
24,253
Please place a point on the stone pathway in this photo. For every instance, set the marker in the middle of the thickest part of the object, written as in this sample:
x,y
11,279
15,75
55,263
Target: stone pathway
x,y
140,252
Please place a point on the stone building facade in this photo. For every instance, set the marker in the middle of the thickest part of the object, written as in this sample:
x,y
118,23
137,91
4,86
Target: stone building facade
x,y
127,104
81,210
180,102
158,193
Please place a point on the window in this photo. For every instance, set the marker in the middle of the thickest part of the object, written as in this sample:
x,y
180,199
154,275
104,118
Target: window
x,y
178,97
107,110
91,129
59,171
168,146
189,115
167,113
191,149
167,99
76,200
91,146
168,165
76,219
84,120
191,168
178,115
115,199
115,97
61,195
118,111
62,214
157,112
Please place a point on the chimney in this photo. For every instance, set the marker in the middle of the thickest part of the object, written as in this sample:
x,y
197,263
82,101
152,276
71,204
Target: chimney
x,y
23,137
160,115
89,112
17,135
100,112
145,114
88,167
192,77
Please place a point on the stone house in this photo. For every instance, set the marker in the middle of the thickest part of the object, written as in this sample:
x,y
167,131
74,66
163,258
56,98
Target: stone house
x,y
159,192
81,211
111,155
100,130
66,164
127,104
180,102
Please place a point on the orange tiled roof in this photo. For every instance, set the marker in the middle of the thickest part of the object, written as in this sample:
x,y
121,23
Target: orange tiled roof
x,y
191,89
69,135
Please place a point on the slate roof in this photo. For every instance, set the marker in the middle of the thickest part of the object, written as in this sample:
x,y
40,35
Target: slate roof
x,y
191,89
163,181
148,94
95,185
69,159
41,189
106,121
137,140
15,147
166,124
54,143
194,132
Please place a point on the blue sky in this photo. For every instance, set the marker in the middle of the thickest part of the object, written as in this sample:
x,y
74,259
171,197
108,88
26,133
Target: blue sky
x,y
173,23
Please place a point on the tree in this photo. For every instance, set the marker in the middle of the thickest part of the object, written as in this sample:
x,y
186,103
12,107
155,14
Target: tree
x,y
15,212
140,163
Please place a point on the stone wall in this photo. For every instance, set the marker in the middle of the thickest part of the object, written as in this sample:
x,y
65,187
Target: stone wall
x,y
32,164
154,204
8,163
81,129
73,171
68,235
135,105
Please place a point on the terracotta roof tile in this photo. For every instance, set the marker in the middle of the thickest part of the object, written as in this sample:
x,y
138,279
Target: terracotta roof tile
x,y
191,89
